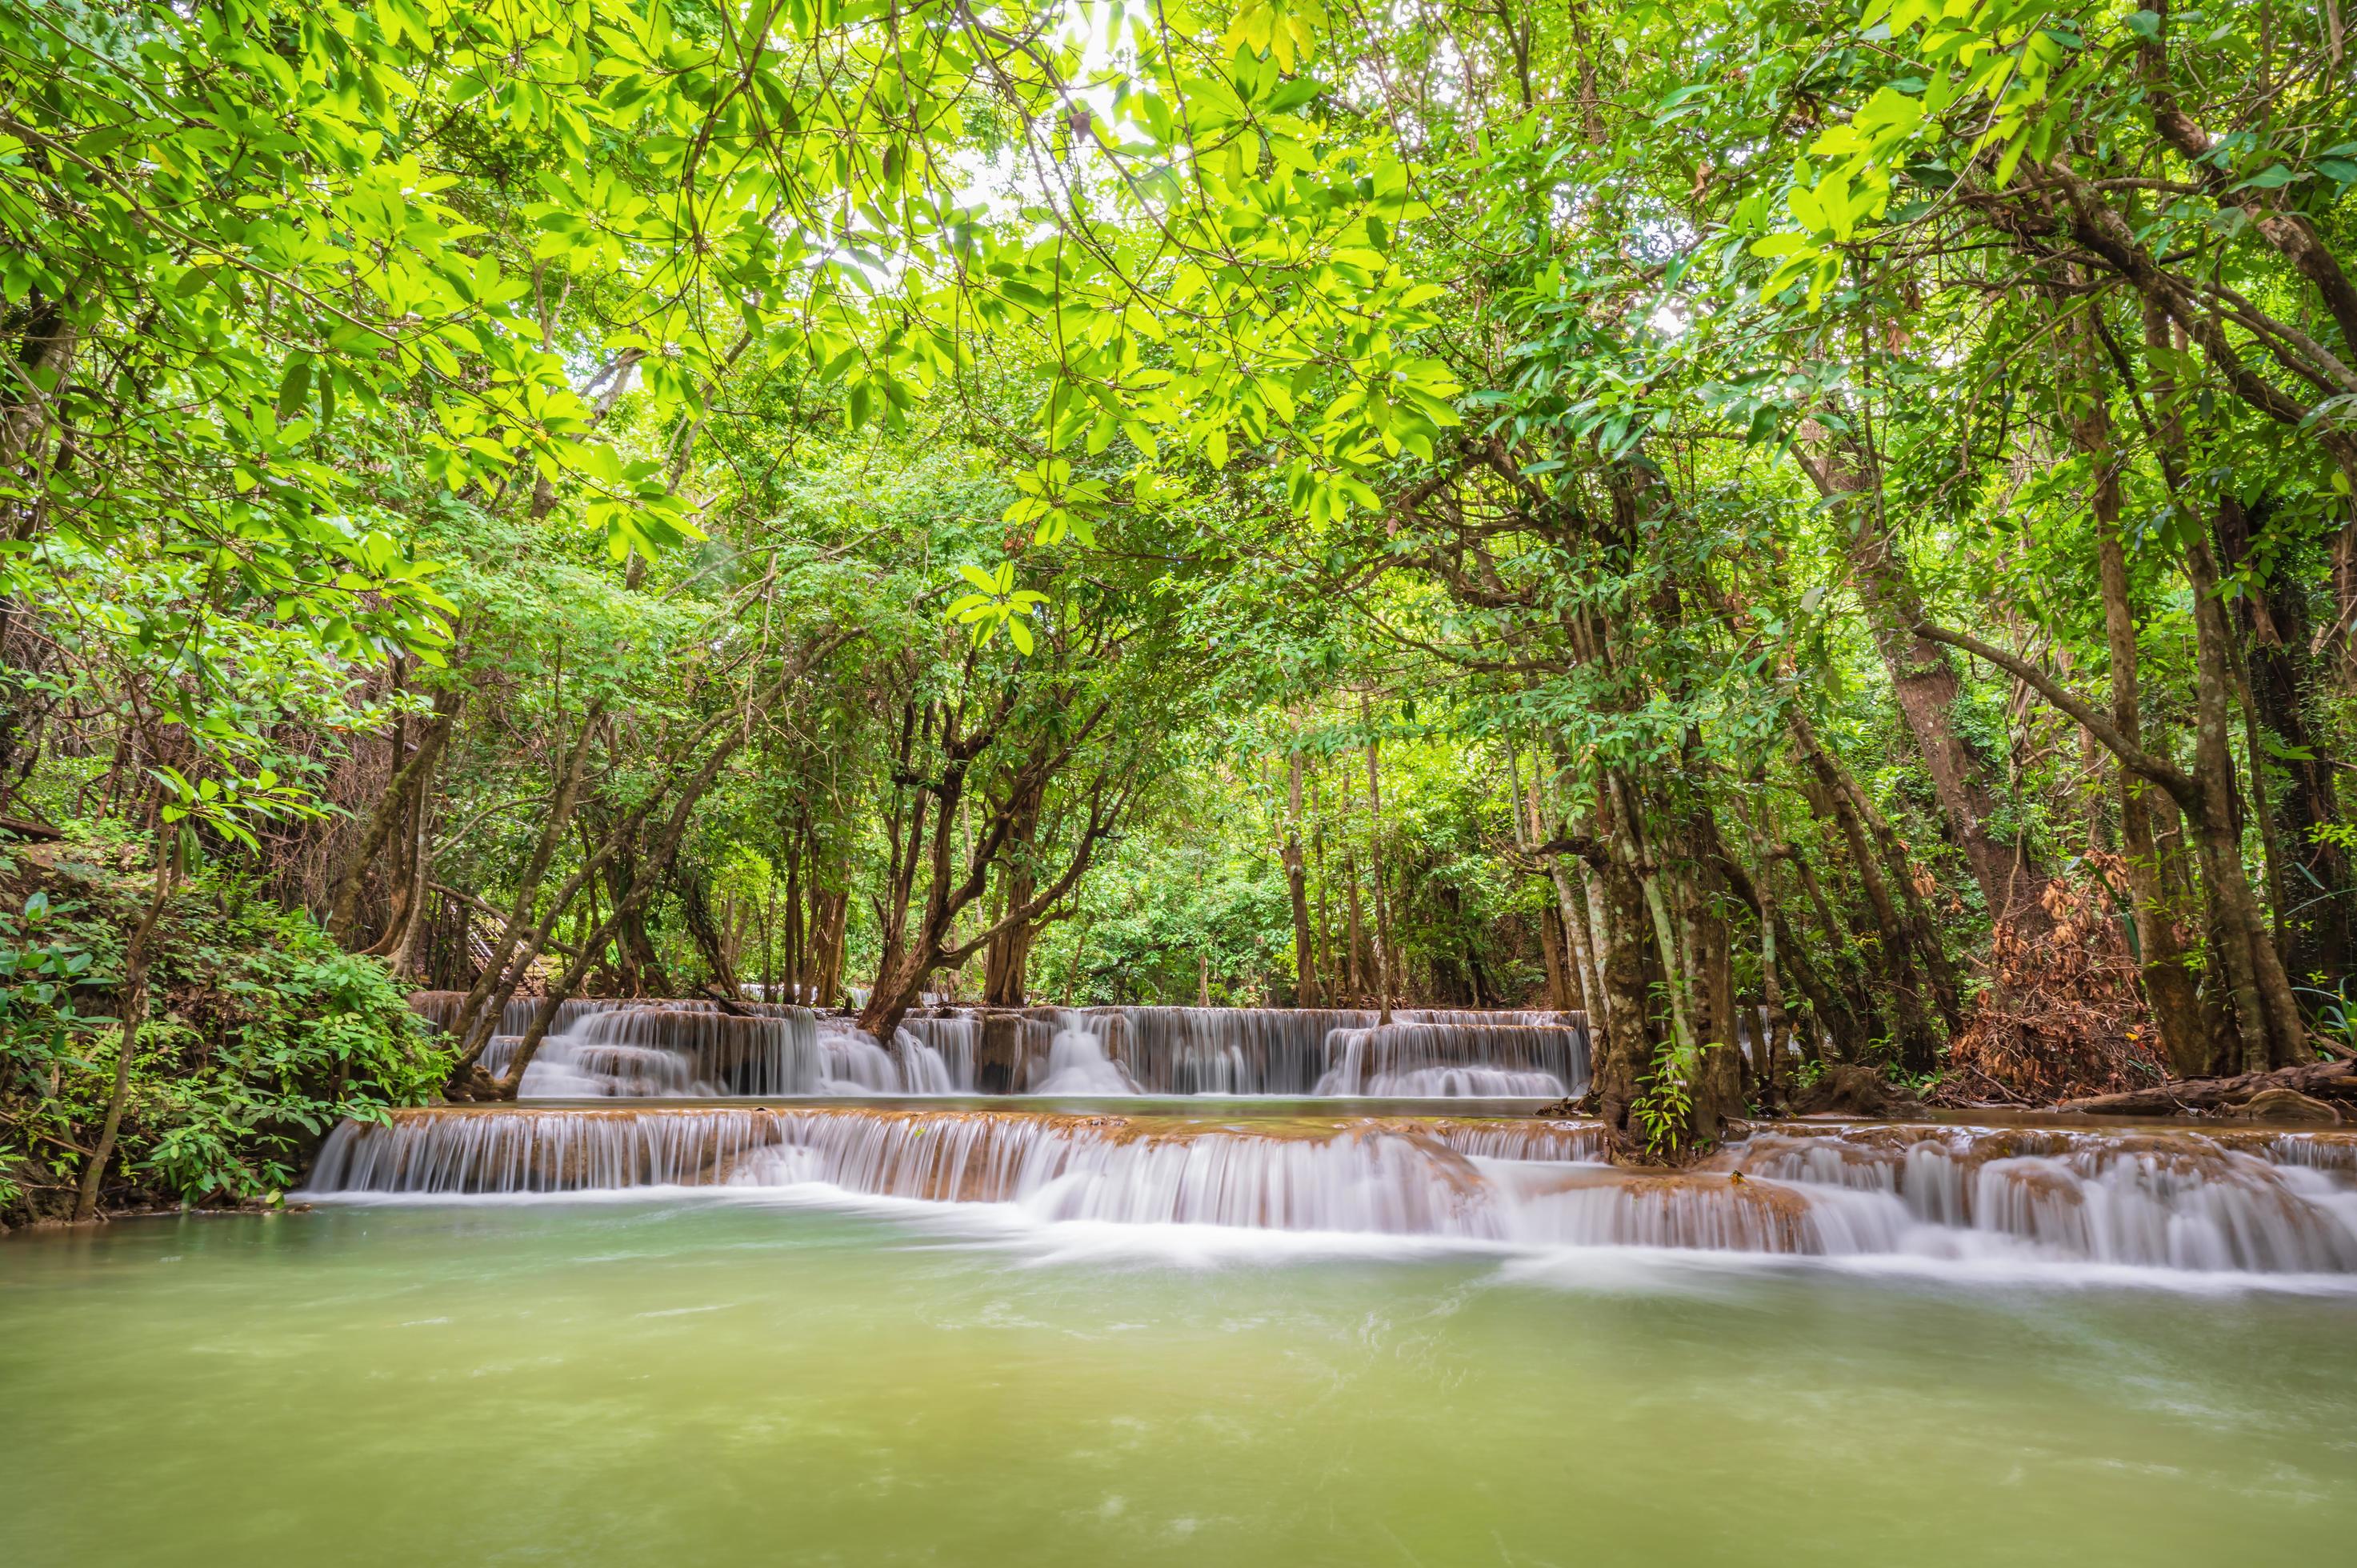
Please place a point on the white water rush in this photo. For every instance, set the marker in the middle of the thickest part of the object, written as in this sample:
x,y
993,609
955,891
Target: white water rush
x,y
635,1051
2212,1202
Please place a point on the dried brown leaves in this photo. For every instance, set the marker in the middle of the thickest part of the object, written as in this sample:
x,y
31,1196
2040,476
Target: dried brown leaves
x,y
2063,1016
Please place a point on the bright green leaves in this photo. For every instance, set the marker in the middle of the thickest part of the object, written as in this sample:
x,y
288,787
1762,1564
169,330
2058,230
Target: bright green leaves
x,y
229,805
1284,32
1055,503
1401,404
1983,85
997,602
1324,495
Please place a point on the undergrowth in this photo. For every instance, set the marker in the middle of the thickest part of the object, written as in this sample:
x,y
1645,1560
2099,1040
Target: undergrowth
x,y
261,1035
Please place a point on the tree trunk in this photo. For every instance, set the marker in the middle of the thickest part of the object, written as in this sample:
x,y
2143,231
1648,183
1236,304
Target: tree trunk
x,y
998,1057
1760,828
1922,930
1926,685
343,905
829,914
480,1015
1561,938
695,904
2318,903
1918,1046
2267,1014
1358,986
1383,976
1006,960
1622,1050
2169,985
136,959
1551,955
1297,885
789,973
1841,1005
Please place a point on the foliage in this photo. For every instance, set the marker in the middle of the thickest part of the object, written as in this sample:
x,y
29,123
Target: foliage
x,y
1482,505
262,1035
1665,1110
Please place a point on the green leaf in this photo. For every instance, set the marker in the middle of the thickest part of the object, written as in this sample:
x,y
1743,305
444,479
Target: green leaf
x,y
294,387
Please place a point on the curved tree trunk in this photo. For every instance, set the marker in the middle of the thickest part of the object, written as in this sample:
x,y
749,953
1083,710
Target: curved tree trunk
x,y
343,904
1927,687
136,958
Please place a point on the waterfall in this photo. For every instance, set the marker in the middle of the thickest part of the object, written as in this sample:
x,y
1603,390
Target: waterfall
x,y
953,1038
2209,1201
856,1063
1077,1063
1290,1051
599,1048
604,1048
1455,1061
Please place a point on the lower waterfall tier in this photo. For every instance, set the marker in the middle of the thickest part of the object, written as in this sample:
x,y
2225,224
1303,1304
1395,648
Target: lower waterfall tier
x,y
2214,1201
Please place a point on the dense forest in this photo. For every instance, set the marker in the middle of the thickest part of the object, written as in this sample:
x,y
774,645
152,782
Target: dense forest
x,y
1790,523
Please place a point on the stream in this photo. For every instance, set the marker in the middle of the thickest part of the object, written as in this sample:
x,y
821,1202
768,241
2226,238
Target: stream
x,y
784,1369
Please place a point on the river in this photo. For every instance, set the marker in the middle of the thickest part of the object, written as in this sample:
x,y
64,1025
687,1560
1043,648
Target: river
x,y
801,1376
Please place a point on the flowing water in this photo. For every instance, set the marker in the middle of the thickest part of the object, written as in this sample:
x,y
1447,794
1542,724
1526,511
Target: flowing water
x,y
1136,1330
598,1048
2021,1198
756,1374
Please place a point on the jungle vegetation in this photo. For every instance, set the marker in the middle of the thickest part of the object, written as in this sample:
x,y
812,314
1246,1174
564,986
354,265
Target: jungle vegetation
x,y
1818,521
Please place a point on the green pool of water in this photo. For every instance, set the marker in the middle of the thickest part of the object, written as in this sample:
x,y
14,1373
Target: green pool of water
x,y
705,1382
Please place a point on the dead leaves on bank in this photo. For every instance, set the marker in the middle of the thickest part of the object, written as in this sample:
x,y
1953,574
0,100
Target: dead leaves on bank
x,y
2063,1016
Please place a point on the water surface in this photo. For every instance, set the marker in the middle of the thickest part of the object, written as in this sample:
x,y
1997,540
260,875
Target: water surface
x,y
701,1379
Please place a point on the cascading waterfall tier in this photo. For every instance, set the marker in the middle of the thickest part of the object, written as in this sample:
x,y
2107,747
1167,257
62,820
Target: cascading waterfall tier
x,y
2256,1202
599,1048
1456,1060
1274,1050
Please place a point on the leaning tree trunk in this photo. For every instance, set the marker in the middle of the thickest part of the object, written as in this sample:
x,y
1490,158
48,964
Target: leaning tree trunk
x,y
1895,952
695,906
135,961
1926,685
343,904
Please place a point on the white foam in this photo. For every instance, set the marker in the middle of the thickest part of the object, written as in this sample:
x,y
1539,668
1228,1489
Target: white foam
x,y
1958,1203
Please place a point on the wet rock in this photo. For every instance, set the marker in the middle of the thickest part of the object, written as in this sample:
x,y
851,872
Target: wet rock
x,y
1854,1091
2285,1105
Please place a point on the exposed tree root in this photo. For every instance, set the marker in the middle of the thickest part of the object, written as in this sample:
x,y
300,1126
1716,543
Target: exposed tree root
x,y
2272,1096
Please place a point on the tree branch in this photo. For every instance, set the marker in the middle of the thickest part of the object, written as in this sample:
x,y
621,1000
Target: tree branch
x,y
2179,784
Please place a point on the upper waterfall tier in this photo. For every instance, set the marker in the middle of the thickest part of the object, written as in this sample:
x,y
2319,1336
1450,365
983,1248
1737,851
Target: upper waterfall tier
x,y
622,1048
2246,1201
1275,1050
597,1048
